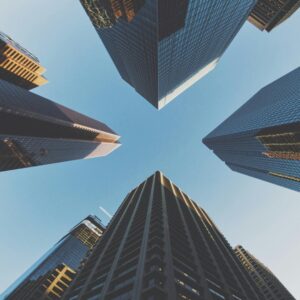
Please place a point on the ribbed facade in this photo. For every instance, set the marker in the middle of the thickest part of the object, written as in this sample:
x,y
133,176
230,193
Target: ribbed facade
x,y
261,139
36,131
167,45
18,65
269,285
50,277
160,245
267,14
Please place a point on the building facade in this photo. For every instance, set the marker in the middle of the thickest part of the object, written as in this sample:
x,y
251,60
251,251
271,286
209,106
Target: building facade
x,y
268,283
161,48
18,65
261,139
267,14
36,131
50,277
161,245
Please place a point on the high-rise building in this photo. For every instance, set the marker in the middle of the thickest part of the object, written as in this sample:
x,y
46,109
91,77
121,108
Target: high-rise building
x,y
50,277
161,48
161,245
18,65
262,138
36,131
268,283
267,14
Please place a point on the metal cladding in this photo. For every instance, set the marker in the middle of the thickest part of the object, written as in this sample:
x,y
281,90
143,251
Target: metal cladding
x,y
268,283
161,48
267,14
49,278
18,65
161,245
261,139
36,131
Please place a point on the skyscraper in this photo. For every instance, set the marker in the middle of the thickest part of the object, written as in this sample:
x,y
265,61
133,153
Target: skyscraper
x,y
269,285
161,48
36,131
261,139
52,274
18,65
268,14
161,245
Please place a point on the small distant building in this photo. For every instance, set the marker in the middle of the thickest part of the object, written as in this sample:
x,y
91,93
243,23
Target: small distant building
x,y
18,65
267,14
50,277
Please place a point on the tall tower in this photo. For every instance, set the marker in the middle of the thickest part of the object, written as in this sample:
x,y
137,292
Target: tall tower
x,y
267,14
161,48
261,139
269,285
160,245
49,278
18,65
36,131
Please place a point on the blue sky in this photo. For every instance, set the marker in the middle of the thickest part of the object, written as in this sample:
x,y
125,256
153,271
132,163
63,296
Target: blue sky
x,y
39,205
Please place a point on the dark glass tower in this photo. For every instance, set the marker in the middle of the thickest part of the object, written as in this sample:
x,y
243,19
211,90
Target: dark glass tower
x,y
268,14
36,131
52,274
269,285
18,65
262,138
163,47
161,245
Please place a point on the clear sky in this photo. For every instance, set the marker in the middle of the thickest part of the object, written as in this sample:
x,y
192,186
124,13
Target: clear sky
x,y
39,205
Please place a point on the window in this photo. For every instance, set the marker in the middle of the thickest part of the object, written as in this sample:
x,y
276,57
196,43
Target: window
x,y
293,178
281,142
217,294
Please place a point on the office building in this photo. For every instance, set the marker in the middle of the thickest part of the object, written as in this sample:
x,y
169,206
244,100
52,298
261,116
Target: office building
x,y
267,14
261,139
161,48
50,277
161,245
269,285
18,65
36,131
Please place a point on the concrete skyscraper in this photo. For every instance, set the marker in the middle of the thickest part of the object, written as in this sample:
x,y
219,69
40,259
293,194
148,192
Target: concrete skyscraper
x,y
163,47
36,131
18,65
268,14
269,285
49,278
262,138
161,245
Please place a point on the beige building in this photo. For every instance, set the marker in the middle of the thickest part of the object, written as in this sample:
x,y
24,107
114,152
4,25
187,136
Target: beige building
x,y
18,65
267,14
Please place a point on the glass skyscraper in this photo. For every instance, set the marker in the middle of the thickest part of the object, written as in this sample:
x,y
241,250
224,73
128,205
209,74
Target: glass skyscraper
x,y
36,131
163,47
262,138
52,274
268,283
161,245
18,65
267,14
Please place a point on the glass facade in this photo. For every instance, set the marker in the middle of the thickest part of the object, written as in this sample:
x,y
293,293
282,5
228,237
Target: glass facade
x,y
36,131
167,45
268,283
161,245
261,138
65,257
